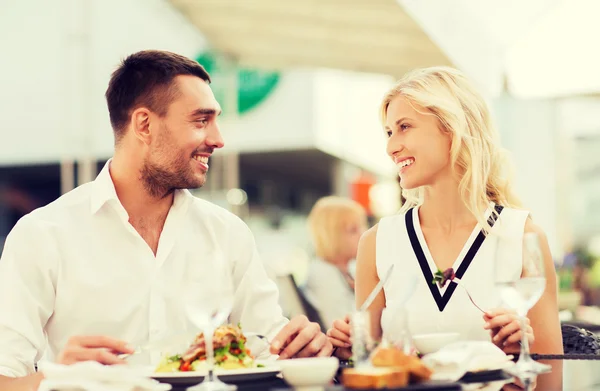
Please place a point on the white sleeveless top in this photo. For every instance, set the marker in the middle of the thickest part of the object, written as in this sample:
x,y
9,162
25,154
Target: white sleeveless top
x,y
430,309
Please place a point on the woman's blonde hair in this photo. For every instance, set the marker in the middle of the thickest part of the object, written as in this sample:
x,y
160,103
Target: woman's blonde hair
x,y
328,218
483,166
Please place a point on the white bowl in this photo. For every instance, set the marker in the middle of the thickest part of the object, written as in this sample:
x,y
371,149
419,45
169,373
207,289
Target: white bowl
x,y
430,343
309,373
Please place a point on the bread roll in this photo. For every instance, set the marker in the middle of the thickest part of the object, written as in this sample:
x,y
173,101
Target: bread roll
x,y
418,371
389,357
375,378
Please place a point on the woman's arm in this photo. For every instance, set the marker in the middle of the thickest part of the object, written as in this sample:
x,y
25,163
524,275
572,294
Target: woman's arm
x,y
366,279
544,314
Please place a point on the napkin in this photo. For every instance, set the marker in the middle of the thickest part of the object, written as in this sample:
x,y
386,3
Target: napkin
x,y
92,376
453,361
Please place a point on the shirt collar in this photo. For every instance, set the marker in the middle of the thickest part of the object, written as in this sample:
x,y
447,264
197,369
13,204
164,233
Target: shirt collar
x,y
104,189
104,192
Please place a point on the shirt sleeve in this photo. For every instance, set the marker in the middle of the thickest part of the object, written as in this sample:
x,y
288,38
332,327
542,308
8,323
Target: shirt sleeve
x,y
256,303
27,292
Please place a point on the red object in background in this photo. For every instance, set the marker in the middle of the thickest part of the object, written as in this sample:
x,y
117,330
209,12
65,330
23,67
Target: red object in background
x,y
359,189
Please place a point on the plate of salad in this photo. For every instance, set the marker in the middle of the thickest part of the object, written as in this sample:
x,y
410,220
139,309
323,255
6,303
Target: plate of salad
x,y
233,361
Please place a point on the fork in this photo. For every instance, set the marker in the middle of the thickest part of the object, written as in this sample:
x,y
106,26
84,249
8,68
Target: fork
x,y
257,335
460,284
161,344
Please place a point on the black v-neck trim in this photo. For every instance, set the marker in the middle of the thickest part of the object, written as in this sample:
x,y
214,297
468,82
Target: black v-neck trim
x,y
442,300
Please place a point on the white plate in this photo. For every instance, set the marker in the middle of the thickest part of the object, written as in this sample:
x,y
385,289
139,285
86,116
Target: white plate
x,y
494,367
270,369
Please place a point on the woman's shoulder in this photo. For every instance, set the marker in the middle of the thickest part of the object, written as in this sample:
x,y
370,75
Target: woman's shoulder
x,y
388,226
511,221
509,210
369,238
531,227
395,221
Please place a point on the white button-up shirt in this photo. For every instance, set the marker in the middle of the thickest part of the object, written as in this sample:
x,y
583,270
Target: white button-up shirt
x,y
77,267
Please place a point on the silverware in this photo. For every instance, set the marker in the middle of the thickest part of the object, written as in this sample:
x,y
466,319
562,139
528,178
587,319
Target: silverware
x,y
460,284
257,335
162,344
376,290
448,276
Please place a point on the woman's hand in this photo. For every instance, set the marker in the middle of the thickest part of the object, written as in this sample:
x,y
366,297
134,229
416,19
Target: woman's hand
x,y
505,329
339,336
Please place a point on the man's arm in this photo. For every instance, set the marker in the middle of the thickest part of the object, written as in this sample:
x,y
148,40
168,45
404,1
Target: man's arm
x,y
28,278
256,304
81,348
27,290
27,383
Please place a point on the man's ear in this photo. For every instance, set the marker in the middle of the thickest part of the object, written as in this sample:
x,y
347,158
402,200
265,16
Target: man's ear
x,y
140,119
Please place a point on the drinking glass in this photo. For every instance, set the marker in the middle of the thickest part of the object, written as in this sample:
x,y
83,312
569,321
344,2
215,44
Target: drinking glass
x,y
208,312
521,295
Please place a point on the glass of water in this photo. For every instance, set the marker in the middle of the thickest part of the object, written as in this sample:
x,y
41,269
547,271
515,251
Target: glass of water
x,y
521,295
208,313
362,342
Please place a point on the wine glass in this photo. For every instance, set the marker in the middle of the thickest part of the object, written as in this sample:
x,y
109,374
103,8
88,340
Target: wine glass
x,y
399,334
209,311
362,341
521,295
401,337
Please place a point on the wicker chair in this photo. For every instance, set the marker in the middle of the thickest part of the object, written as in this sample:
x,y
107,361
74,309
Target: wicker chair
x,y
579,341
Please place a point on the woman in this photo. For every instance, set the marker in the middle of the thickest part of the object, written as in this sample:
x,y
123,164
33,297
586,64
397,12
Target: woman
x,y
336,225
453,175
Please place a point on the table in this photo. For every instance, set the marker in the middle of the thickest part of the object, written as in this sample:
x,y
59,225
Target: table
x,y
566,375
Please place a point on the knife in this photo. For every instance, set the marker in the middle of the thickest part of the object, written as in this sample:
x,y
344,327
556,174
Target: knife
x,y
376,290
168,342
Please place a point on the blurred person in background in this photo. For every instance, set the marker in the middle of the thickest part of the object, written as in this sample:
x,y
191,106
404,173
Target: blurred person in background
x,y
110,262
454,177
279,249
336,225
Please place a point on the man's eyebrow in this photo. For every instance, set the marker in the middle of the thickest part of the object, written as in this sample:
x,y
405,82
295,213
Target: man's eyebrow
x,y
205,112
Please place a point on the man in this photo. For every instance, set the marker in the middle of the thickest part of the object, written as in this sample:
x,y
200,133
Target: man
x,y
105,264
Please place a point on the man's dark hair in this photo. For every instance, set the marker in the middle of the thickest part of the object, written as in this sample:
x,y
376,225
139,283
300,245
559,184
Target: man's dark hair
x,y
146,79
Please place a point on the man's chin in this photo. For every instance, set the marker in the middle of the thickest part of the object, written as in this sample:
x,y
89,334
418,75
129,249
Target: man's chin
x,y
197,183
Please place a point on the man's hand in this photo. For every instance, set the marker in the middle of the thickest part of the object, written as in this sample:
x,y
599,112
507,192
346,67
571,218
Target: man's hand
x,y
93,348
301,338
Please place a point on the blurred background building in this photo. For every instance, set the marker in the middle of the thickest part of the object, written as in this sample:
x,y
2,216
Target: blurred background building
x,y
300,83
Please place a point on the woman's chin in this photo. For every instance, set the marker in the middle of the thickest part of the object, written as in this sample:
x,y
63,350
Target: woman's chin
x,y
407,184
